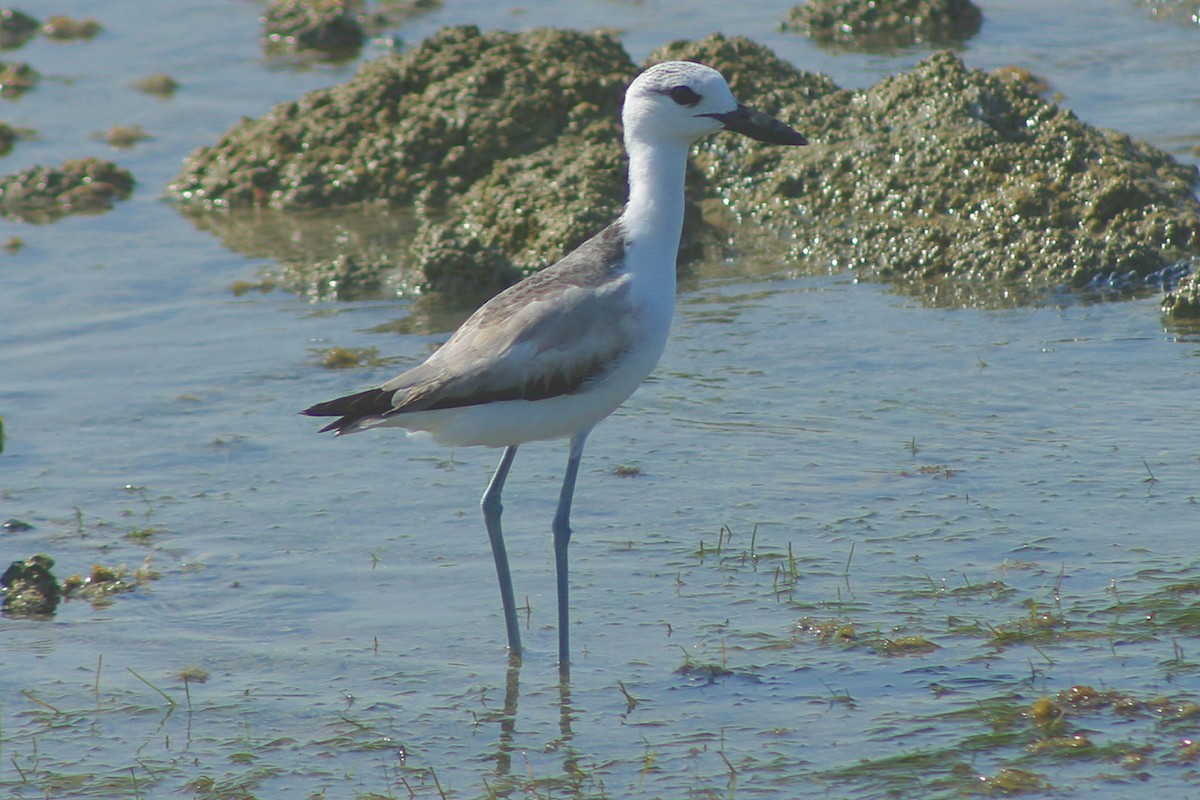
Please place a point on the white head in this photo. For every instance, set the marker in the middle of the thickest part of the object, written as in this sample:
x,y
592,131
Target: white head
x,y
681,101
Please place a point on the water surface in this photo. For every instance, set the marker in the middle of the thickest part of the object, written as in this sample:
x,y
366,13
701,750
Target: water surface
x,y
939,474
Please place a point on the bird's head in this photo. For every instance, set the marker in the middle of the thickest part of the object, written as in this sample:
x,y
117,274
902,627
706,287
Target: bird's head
x,y
682,101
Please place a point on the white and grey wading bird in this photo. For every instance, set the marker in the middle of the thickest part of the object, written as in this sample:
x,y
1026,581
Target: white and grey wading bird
x,y
553,355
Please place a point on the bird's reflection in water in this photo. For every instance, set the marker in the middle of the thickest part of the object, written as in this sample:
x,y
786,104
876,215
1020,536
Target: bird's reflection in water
x,y
572,773
565,715
508,718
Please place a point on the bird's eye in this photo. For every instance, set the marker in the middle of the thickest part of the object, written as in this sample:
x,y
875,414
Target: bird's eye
x,y
684,96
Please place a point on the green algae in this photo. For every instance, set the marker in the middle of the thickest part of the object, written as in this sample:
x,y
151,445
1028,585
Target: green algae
x,y
157,83
450,125
1184,12
102,582
64,29
349,253
45,194
1170,609
952,181
840,632
417,128
16,28
1074,732
1183,302
30,588
874,26
9,136
16,78
960,186
329,25
348,357
123,137
998,735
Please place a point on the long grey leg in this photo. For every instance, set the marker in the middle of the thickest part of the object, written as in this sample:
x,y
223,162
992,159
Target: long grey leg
x,y
492,508
562,537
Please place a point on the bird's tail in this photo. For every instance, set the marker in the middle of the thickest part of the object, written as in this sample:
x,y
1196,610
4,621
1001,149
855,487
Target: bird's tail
x,y
352,409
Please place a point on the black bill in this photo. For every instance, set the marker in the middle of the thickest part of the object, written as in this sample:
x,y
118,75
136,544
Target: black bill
x,y
757,125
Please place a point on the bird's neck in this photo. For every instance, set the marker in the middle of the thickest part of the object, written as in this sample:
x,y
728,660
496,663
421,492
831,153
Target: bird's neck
x,y
653,218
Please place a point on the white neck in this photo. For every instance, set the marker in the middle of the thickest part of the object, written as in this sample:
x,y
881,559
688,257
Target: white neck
x,y
653,217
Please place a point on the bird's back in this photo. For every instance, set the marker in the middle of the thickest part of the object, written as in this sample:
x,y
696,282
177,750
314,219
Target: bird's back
x,y
548,336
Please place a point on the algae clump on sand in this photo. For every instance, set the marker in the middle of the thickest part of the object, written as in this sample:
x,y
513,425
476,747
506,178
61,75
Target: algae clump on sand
x,y
29,588
477,157
418,131
957,182
873,26
417,128
42,194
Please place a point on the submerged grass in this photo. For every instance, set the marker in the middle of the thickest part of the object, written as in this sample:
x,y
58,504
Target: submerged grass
x,y
930,688
1008,746
1009,743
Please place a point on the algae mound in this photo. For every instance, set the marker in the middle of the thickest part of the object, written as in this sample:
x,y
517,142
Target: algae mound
x,y
82,185
506,146
420,128
16,28
953,180
64,29
535,109
16,78
496,152
30,588
158,83
312,24
876,25
1184,12
1183,303
8,137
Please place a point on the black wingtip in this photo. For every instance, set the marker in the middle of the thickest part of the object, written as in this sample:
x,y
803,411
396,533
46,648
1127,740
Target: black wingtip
x,y
351,409
336,426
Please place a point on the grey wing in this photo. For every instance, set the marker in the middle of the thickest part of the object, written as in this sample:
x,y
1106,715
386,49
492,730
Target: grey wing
x,y
549,344
546,336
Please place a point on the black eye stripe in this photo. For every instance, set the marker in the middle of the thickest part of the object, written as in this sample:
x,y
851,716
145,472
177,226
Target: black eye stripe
x,y
684,96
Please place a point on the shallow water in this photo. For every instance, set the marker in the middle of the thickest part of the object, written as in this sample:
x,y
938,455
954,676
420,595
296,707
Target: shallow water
x,y
944,474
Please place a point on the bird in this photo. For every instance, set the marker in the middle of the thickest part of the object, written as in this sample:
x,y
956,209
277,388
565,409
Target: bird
x,y
554,354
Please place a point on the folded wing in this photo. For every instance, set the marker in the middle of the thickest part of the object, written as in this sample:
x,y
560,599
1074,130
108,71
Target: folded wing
x,y
547,336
